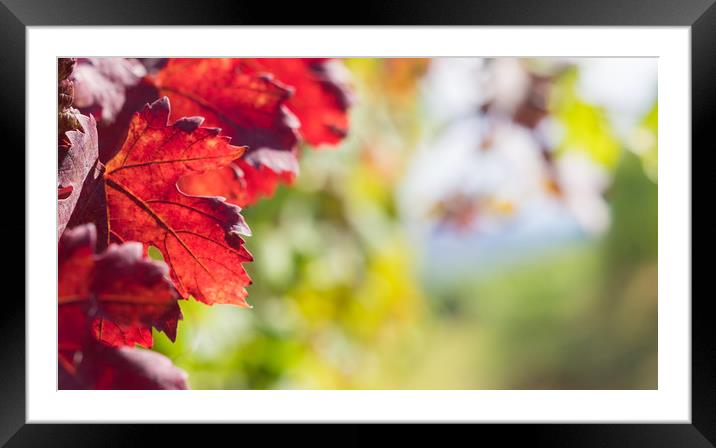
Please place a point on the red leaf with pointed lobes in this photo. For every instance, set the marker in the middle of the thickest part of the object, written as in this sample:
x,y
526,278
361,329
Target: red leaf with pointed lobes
x,y
246,180
246,107
250,108
114,297
199,237
321,94
121,289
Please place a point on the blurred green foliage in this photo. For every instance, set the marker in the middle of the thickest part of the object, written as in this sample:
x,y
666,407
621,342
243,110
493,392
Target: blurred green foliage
x,y
576,317
339,301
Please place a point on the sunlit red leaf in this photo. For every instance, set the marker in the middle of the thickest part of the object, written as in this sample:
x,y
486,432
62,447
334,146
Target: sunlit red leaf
x,y
246,107
199,237
244,181
321,95
262,181
250,108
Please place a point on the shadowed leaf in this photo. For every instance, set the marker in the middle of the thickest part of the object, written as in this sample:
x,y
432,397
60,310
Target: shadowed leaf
x,y
75,163
116,296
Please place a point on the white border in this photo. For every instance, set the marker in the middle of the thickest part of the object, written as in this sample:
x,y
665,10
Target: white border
x,y
670,403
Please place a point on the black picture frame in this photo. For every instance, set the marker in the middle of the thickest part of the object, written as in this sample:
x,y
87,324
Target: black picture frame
x,y
16,15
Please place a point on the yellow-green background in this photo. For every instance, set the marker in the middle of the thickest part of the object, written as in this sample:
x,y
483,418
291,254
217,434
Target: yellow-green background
x,y
339,301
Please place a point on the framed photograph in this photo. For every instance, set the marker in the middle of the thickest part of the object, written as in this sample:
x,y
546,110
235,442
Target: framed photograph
x,y
408,214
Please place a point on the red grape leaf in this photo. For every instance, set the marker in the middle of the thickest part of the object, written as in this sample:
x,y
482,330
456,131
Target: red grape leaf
x,y
199,237
249,108
246,180
121,368
76,161
321,95
101,84
116,296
